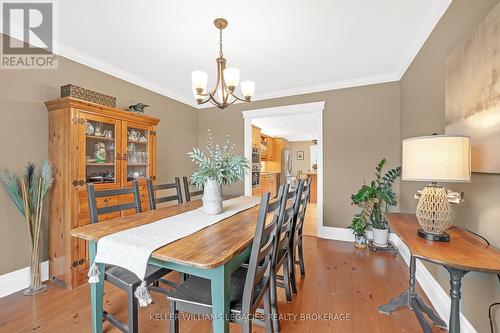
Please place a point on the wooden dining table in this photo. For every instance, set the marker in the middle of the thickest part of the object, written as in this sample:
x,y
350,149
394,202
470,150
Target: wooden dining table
x,y
213,253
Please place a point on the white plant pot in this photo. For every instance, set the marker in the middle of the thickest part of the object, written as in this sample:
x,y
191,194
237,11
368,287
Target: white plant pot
x,y
212,198
369,234
380,236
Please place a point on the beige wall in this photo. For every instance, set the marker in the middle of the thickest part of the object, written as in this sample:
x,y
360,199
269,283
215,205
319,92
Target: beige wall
x,y
422,113
304,164
360,127
24,134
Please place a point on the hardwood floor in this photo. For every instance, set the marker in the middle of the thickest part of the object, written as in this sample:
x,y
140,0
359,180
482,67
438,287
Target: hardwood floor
x,y
343,285
311,220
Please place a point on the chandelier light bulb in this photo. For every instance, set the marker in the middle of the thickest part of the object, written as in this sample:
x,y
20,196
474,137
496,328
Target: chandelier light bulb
x,y
199,80
248,89
232,78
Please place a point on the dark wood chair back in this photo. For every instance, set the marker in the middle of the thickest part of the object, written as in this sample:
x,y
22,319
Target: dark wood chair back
x,y
294,210
260,263
93,195
187,192
287,213
154,199
304,200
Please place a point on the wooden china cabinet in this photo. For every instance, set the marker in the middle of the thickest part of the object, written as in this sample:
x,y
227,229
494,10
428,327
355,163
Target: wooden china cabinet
x,y
99,144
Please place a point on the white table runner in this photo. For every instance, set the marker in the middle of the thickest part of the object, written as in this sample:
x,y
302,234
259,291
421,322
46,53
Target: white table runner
x,y
132,248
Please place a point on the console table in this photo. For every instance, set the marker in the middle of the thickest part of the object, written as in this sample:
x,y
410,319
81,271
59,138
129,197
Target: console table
x,y
465,252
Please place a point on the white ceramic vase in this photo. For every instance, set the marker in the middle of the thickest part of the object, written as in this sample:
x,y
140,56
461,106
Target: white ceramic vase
x,y
380,237
212,197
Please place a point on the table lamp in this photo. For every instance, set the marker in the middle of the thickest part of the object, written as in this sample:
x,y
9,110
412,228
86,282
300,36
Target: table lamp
x,y
436,158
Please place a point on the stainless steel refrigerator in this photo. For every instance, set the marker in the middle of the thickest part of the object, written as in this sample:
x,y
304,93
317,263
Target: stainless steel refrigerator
x,y
286,167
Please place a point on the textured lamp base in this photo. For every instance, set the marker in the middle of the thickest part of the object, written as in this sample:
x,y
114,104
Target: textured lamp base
x,y
443,237
434,213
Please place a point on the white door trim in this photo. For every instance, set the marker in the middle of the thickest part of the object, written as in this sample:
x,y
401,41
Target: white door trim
x,y
315,107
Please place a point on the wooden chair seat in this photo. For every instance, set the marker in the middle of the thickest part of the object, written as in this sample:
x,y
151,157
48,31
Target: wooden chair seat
x,y
196,292
125,279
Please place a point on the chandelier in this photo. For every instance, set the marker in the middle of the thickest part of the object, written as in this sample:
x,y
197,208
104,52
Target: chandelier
x,y
228,78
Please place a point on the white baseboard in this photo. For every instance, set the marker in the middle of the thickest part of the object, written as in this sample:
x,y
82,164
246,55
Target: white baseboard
x,y
19,280
437,295
340,234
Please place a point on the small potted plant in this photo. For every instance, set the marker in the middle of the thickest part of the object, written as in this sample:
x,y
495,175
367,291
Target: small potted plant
x,y
358,227
219,166
375,200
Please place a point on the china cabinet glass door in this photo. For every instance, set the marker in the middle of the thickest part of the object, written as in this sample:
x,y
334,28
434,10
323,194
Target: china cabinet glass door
x,y
137,148
100,151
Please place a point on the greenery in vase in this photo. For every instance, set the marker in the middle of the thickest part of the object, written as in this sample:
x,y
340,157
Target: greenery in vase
x,y
218,163
375,198
358,225
28,192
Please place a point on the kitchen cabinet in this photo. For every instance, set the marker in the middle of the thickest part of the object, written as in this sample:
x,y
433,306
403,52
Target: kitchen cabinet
x,y
269,183
255,136
266,147
91,143
256,192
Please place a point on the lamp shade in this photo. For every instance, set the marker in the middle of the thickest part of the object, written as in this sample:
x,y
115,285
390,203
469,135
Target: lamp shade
x,y
437,158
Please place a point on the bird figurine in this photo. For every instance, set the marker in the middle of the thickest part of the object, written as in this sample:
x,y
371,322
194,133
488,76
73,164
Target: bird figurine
x,y
139,107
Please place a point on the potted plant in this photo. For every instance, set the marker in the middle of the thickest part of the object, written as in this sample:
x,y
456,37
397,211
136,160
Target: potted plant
x,y
358,227
375,199
219,166
28,193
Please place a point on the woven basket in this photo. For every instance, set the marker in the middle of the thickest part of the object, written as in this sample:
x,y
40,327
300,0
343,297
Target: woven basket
x,y
71,90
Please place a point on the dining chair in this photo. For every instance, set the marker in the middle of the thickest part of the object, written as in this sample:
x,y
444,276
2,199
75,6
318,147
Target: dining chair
x,y
301,216
155,199
187,193
249,285
282,256
296,229
118,276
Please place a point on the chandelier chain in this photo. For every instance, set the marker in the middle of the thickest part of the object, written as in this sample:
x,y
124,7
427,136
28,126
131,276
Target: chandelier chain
x,y
220,43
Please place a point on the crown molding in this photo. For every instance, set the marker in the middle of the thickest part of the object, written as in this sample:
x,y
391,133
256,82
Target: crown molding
x,y
92,62
85,59
335,85
434,14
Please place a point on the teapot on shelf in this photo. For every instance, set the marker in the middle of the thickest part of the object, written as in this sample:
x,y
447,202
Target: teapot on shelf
x,y
100,152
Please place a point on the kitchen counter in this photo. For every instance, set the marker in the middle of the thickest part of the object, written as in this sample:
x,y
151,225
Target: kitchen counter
x,y
314,185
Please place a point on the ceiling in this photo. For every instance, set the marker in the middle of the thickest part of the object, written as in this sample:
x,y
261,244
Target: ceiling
x,y
300,127
287,47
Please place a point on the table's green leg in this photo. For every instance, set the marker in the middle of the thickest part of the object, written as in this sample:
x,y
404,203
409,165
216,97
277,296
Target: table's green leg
x,y
221,288
96,292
